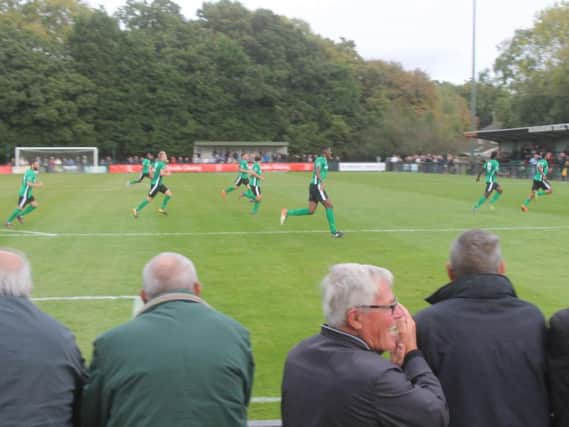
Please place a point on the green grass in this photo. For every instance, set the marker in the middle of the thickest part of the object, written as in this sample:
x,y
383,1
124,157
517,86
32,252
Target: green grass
x,y
264,275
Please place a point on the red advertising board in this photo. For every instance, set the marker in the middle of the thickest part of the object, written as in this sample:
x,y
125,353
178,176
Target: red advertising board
x,y
5,170
215,167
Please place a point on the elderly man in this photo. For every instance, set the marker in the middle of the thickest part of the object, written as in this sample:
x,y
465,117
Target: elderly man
x,y
485,344
338,378
42,370
178,363
558,358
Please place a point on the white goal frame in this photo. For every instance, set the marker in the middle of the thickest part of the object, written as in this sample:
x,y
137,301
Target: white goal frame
x,y
56,150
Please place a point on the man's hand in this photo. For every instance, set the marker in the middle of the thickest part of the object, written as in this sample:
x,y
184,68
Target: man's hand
x,y
407,330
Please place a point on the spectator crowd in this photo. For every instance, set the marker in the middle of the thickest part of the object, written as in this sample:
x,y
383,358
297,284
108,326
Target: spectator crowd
x,y
477,356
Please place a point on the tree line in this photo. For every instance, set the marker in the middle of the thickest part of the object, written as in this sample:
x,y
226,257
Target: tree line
x,y
147,78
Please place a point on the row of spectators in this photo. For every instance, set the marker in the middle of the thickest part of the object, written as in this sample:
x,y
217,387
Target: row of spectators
x,y
478,356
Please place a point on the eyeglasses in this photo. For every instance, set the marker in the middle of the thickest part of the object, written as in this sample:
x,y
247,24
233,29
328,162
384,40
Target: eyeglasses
x,y
391,306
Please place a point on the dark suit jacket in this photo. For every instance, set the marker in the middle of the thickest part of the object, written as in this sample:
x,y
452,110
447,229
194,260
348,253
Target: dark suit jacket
x,y
41,368
558,354
334,380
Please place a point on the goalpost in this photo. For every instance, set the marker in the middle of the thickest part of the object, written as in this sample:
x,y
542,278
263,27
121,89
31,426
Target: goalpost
x,y
58,159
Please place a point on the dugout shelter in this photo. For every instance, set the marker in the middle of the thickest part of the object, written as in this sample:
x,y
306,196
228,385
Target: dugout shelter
x,y
518,143
214,151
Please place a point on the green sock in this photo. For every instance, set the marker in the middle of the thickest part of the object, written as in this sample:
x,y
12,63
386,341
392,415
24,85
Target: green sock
x,y
165,202
249,194
495,198
526,202
16,212
331,220
229,189
133,181
298,212
541,193
142,205
480,202
256,207
28,209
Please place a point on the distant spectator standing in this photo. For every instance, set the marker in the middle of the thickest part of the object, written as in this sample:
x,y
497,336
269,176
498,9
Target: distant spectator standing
x,y
558,355
178,363
486,345
338,378
42,370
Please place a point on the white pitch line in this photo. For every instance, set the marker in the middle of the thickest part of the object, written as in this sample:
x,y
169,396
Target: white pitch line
x,y
265,399
284,232
30,233
86,298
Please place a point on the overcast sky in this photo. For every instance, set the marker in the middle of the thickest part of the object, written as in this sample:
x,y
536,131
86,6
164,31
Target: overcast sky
x,y
432,35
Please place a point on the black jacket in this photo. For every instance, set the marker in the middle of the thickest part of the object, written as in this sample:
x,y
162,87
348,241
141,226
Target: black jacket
x,y
488,349
558,353
334,380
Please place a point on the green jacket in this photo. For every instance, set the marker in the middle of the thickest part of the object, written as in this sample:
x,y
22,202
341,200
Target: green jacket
x,y
179,363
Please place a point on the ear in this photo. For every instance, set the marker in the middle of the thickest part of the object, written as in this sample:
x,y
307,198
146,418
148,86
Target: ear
x,y
143,296
353,320
502,268
450,273
197,289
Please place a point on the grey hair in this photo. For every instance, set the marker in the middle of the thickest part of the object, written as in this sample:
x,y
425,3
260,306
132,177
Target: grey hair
x,y
348,285
475,252
168,271
15,274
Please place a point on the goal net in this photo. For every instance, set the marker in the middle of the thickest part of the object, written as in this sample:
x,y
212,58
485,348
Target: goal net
x,y
58,159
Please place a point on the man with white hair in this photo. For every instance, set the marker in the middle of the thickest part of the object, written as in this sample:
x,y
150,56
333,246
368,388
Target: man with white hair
x,y
42,369
338,378
486,345
178,363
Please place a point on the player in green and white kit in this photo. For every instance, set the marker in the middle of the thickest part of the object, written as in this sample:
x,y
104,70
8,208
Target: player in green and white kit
x,y
159,170
317,194
540,185
242,177
490,168
25,197
254,191
145,173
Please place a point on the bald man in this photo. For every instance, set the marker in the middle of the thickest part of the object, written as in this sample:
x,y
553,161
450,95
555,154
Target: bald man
x,y
42,369
179,362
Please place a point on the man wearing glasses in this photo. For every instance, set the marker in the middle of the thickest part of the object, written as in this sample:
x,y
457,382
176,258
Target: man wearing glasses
x,y
339,378
485,344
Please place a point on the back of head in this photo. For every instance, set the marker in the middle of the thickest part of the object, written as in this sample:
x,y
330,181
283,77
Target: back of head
x,y
475,252
348,285
15,274
168,271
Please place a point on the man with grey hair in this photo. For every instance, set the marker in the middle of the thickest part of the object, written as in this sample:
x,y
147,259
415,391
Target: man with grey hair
x,y
485,344
179,362
338,377
42,368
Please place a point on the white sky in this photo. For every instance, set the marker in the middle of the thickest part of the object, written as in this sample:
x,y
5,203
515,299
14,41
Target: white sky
x,y
432,35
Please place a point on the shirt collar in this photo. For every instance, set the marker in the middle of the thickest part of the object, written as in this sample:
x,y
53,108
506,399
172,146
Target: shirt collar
x,y
338,333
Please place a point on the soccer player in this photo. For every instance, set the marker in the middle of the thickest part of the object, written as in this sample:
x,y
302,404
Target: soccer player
x,y
254,191
158,171
242,177
146,165
25,198
491,168
317,194
540,185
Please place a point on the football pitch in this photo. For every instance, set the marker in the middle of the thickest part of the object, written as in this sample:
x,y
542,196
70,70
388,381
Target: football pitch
x,y
84,242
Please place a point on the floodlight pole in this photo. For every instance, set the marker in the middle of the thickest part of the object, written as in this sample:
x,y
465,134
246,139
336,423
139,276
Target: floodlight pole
x,y
473,85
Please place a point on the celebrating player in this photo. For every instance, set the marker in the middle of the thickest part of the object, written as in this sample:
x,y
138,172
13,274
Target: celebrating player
x,y
491,168
242,177
25,197
540,185
254,191
158,170
145,173
317,194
